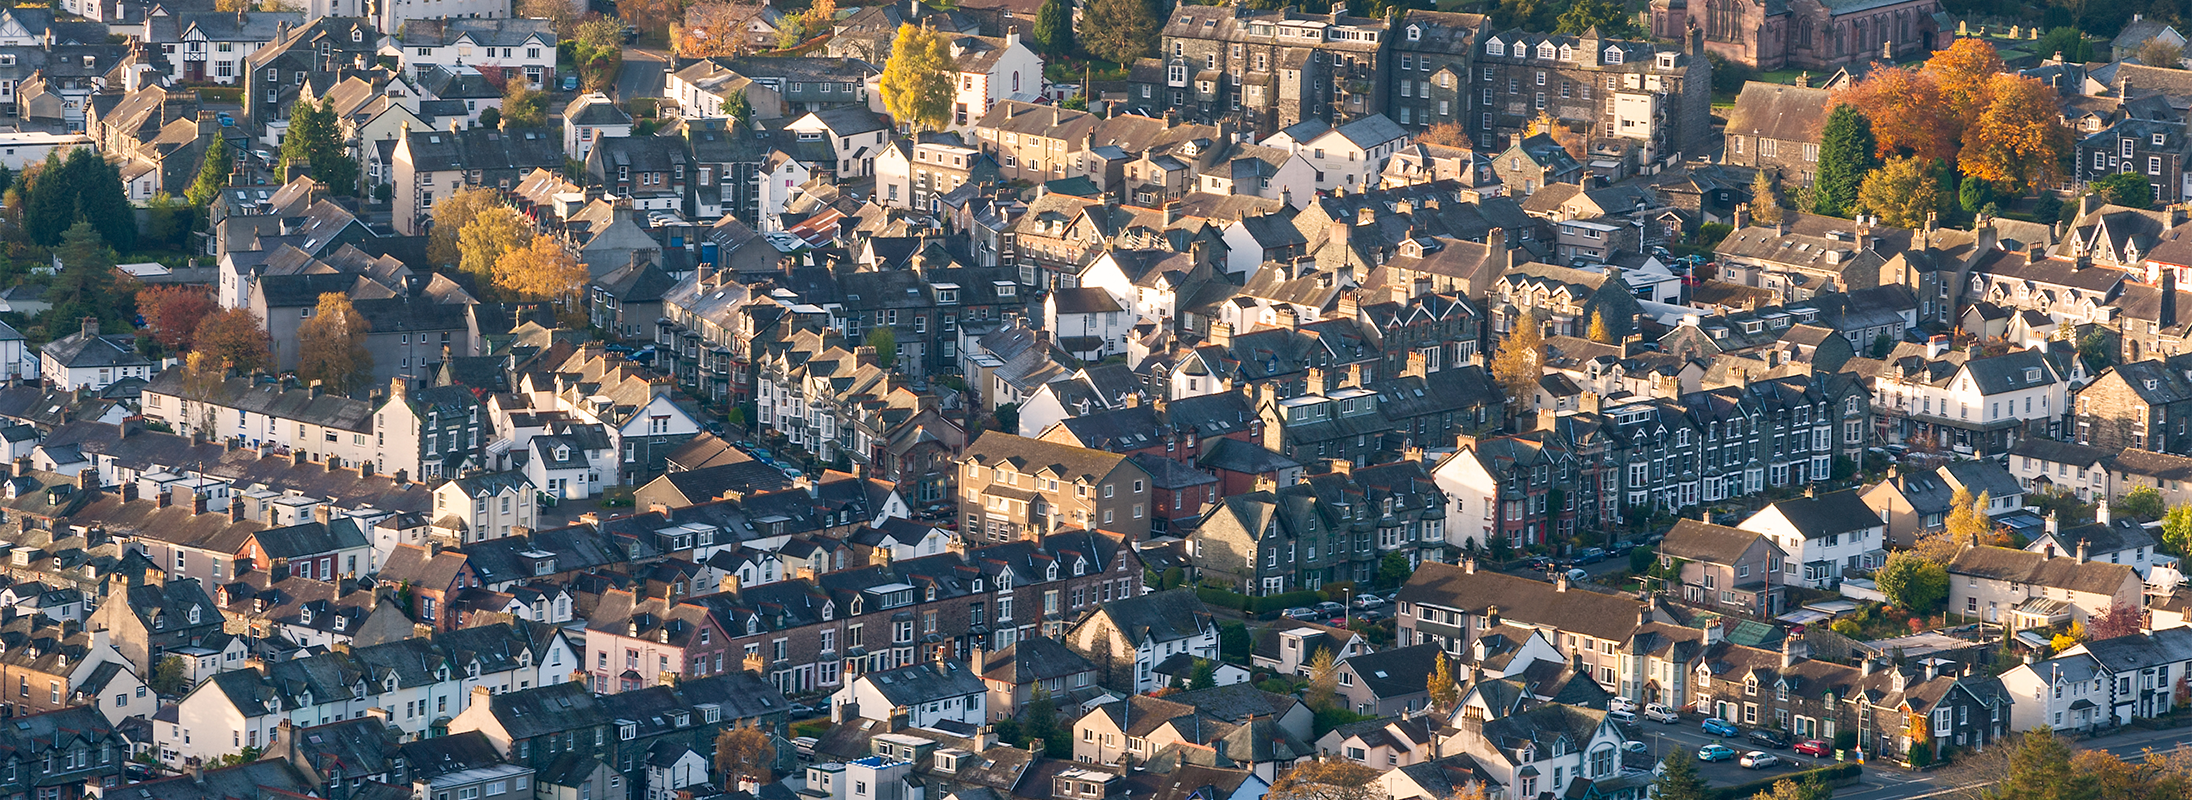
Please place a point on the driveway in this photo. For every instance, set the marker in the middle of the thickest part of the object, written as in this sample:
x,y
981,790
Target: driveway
x,y
643,75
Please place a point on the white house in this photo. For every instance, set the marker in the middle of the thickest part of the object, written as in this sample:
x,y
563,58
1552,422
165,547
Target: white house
x,y
488,505
2105,683
1969,405
1351,156
1153,627
1824,536
471,33
672,766
776,185
992,69
87,360
591,117
570,465
1543,750
856,136
1472,497
927,693
1090,323
19,149
245,707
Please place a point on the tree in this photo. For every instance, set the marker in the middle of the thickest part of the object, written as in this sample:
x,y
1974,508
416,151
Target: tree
x,y
523,104
650,15
561,15
1394,569
1904,192
1447,134
1324,679
885,341
2069,638
1845,157
1967,521
597,51
1203,676
2018,138
744,753
486,238
168,678
1118,30
2065,42
917,82
490,118
1444,691
738,108
1904,107
2128,189
1598,331
2039,769
82,188
1520,361
1678,778
1042,723
2120,619
235,337
85,286
1913,583
1974,195
2143,503
314,142
543,271
1964,71
717,29
173,313
1325,779
1054,27
450,217
1765,205
331,346
203,376
167,222
1789,789
1608,17
213,174
2158,53
2177,530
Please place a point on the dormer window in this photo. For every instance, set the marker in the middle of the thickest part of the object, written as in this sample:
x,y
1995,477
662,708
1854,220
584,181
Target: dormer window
x,y
1495,47
1545,51
1415,33
1613,55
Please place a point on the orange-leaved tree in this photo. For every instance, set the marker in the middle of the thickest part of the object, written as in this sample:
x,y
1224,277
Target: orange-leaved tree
x,y
1904,108
2019,139
1964,72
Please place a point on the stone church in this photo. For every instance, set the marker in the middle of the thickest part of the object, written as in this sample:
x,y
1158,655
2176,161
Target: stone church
x,y
1805,34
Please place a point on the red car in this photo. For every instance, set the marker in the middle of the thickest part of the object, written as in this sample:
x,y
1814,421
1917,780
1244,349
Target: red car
x,y
1814,747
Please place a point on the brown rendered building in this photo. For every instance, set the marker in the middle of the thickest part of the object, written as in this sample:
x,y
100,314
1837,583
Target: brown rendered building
x,y
1013,488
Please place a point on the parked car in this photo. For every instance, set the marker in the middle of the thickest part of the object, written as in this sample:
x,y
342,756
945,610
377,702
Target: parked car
x,y
1759,759
803,711
1619,703
1715,752
1720,727
1814,747
1373,615
1592,556
805,746
1623,717
1659,713
570,83
1636,747
1303,614
1769,737
1331,609
1577,575
1369,601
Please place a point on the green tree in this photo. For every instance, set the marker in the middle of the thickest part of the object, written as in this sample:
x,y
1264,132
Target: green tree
x,y
1203,676
1234,642
1394,569
1118,30
1845,157
1054,28
1904,192
2128,189
917,80
82,188
168,678
885,341
2144,502
213,174
2158,53
490,118
167,222
739,109
2039,769
1974,195
314,142
1678,778
1608,17
2177,530
2070,43
1040,721
85,285
1913,583
523,104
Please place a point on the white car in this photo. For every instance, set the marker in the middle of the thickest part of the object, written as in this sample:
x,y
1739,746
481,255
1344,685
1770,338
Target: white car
x,y
1758,759
1619,703
1659,713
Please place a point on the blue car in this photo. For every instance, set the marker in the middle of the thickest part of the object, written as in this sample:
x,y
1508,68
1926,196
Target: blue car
x,y
570,83
1721,727
1715,752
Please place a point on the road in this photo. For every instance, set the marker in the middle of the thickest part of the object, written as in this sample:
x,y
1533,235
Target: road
x,y
1884,782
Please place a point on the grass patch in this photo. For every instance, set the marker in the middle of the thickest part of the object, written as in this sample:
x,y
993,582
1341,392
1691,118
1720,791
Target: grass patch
x,y
1334,717
813,727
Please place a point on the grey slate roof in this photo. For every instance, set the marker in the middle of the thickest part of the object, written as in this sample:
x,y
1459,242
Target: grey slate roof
x,y
1161,616
925,682
1831,513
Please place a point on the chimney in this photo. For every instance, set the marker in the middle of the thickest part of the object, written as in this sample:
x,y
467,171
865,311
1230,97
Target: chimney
x,y
1712,633
2081,556
236,510
1350,307
1933,669
1868,665
1742,216
1491,616
165,499
91,327
1171,212
2101,514
87,480
197,503
1221,334
2052,526
1560,582
1469,565
2169,298
1794,649
863,355
129,491
1937,346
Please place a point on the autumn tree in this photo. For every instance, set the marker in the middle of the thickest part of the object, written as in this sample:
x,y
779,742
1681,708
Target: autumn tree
x,y
1520,362
1903,193
486,238
235,337
2120,619
1811,788
450,216
650,15
561,15
1448,134
203,376
331,346
213,173
1964,72
2019,139
597,50
1598,331
1967,520
716,29
523,104
1324,679
1118,30
744,753
174,312
1846,156
2040,769
543,271
916,85
1325,779
2158,53
1765,205
1904,108
1445,692
1054,27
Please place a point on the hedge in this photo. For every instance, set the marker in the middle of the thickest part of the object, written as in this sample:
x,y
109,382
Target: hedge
x,y
1828,775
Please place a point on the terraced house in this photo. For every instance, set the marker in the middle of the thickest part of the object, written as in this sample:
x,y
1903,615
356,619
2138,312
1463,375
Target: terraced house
x,y
1014,487
1450,605
1329,528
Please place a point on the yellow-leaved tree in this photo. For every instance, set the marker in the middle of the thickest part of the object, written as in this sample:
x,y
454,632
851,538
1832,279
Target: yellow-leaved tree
x,y
916,84
486,238
543,271
331,346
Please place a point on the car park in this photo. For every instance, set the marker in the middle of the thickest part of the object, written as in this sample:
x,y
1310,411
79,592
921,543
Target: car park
x,y
1720,727
1759,759
1715,752
1659,713
1814,747
1769,737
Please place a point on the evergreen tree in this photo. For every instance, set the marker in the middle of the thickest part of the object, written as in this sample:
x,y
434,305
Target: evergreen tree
x,y
212,174
1765,204
1054,28
1845,157
85,285
48,206
2039,769
314,142
1608,17
1678,780
1118,30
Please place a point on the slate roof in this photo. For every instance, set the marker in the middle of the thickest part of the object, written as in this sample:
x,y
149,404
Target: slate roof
x,y
926,682
1827,514
1602,616
1031,660
1165,616
83,350
1704,542
2036,569
1779,111
1396,672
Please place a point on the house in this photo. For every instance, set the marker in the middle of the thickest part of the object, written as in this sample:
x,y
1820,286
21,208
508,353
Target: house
x,y
1779,128
251,705
1064,486
1383,743
483,37
1252,729
427,162
1015,672
1550,748
591,117
486,506
1289,645
2022,589
2101,684
436,578
1392,681
2108,539
88,360
65,754
1913,504
854,134
2136,34
1726,567
1823,535
1348,157
1971,404
1452,606
639,642
1128,638
929,694
2140,405
145,622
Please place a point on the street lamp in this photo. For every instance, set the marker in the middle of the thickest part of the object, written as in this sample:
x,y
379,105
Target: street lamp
x,y
1347,606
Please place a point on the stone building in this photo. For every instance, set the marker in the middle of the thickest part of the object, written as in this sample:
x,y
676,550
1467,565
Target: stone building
x,y
1808,34
1779,128
1656,98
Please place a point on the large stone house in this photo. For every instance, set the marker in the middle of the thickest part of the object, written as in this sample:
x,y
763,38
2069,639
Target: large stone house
x,y
1806,34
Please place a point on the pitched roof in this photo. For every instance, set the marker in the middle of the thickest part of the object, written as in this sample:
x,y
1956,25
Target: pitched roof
x,y
1160,616
1826,514
1705,542
1779,111
1525,600
2036,569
